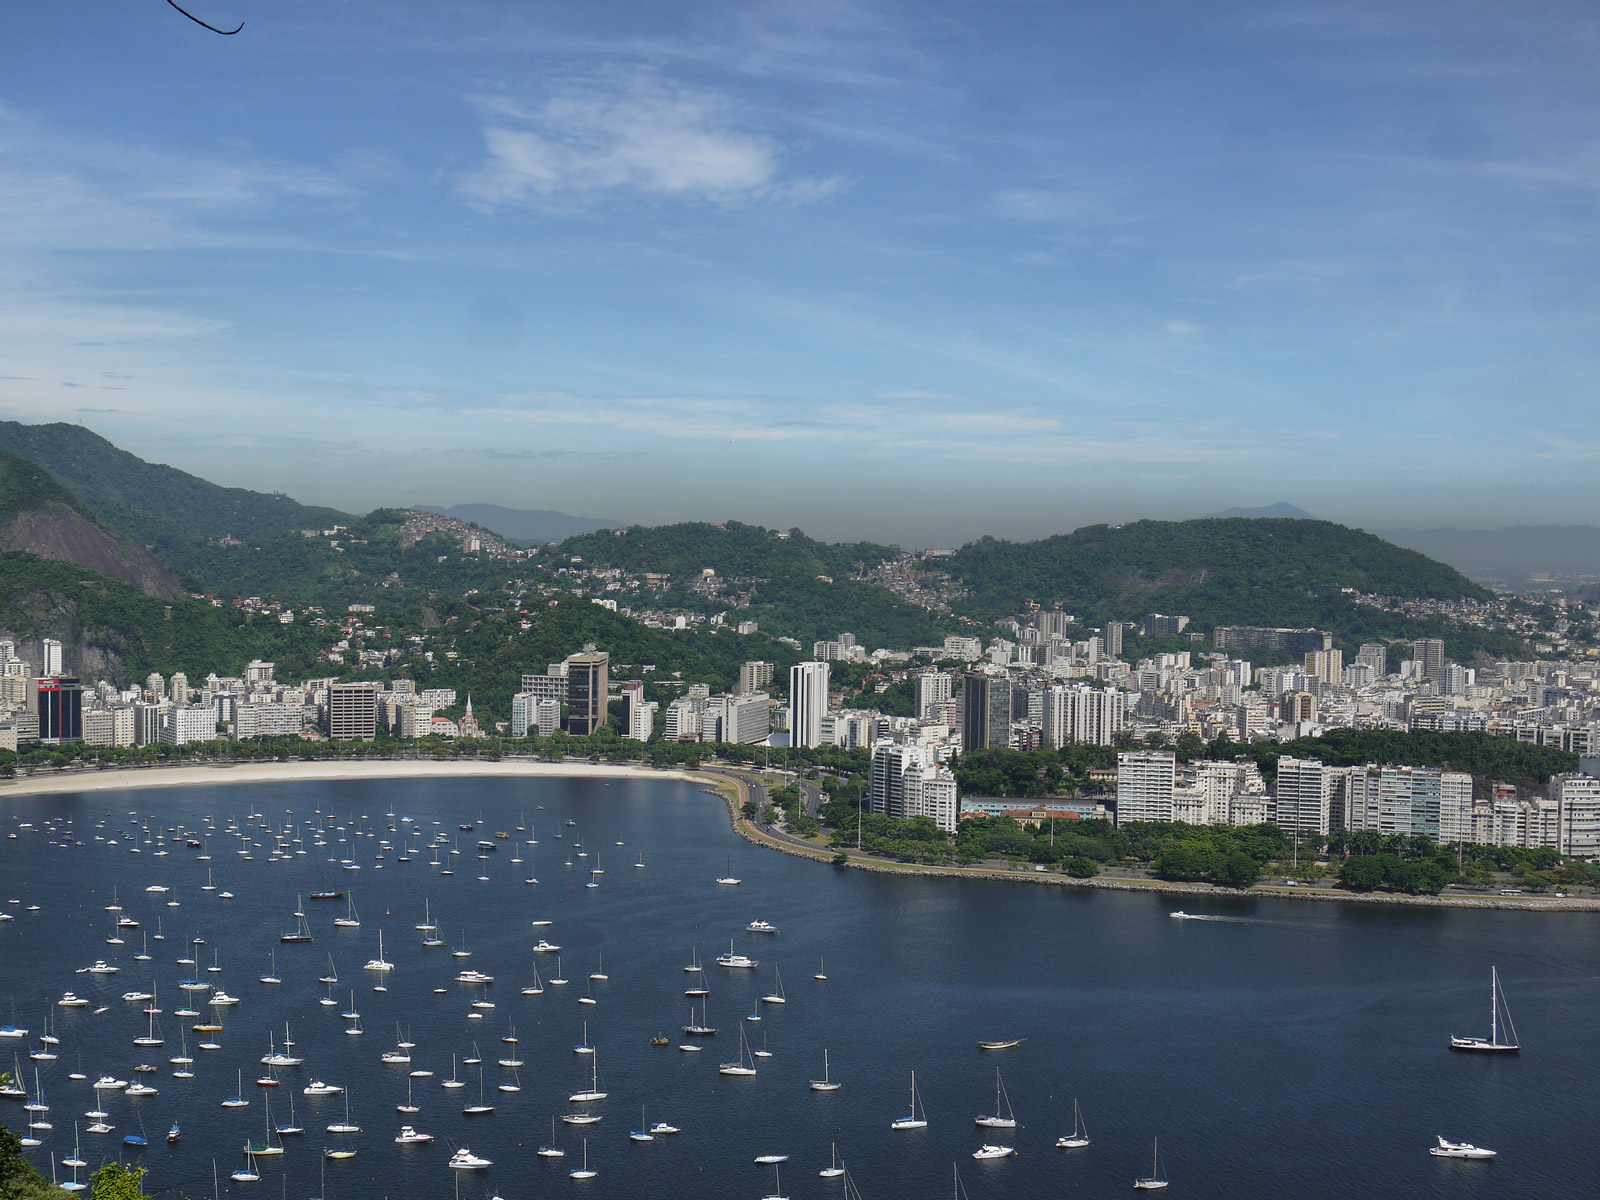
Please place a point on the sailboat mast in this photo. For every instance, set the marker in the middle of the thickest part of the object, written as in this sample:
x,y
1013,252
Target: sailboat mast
x,y
1494,1005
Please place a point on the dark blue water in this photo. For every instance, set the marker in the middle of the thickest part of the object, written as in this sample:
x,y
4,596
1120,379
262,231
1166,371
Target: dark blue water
x,y
1294,1050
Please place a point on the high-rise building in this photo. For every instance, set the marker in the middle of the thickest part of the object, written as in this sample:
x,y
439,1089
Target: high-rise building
x,y
933,688
52,664
156,686
808,703
755,676
1087,715
1376,656
1112,633
1303,794
180,688
1429,656
906,781
1145,782
587,687
58,703
1326,665
985,711
1578,797
353,711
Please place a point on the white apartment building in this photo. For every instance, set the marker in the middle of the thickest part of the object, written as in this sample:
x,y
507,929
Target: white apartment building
x,y
268,720
933,689
1077,713
1145,783
1303,795
808,703
185,723
1578,797
907,781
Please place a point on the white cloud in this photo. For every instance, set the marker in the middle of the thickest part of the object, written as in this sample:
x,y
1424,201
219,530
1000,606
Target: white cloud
x,y
1182,328
646,136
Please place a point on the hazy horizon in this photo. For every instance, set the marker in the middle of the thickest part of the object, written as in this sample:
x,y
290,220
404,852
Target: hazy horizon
x,y
873,270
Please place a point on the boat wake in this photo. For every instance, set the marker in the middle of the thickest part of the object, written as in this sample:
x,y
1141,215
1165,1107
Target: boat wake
x,y
1180,915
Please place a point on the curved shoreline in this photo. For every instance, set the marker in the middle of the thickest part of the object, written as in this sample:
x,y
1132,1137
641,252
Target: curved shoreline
x,y
731,790
1155,886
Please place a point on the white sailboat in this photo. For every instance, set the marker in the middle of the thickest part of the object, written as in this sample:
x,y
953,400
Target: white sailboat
x,y
585,1171
1155,1179
1079,1137
918,1118
1005,1120
777,1186
552,1150
1493,1044
380,963
745,1066
826,1083
593,1092
835,1168
776,996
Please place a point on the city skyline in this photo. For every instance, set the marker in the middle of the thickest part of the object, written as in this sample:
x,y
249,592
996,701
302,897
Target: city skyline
x,y
915,276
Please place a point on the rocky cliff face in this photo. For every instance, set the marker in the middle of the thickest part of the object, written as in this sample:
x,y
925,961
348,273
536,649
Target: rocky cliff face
x,y
60,533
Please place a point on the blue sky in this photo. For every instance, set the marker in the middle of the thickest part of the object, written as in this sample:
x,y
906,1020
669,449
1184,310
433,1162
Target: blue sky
x,y
903,271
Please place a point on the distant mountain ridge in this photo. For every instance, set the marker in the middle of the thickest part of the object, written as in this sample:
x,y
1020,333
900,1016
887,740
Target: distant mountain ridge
x,y
524,524
1281,509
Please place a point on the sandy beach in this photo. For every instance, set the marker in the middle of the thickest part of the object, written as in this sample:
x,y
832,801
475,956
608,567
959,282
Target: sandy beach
x,y
281,772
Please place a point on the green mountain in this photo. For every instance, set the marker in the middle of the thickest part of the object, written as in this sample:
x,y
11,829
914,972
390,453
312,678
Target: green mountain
x,y
1235,571
168,511
114,631
792,585
39,516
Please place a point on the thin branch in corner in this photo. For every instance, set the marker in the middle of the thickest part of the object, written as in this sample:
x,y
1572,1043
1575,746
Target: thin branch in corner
x,y
198,21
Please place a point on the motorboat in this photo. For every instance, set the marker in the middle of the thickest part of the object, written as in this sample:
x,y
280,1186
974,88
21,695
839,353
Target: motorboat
x,y
465,1160
989,1151
410,1137
1449,1149
760,926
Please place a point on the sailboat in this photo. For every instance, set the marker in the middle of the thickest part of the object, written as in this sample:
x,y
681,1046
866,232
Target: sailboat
x,y
271,976
822,970
599,972
835,1168
1155,1179
302,930
480,1108
453,1081
1079,1137
641,1134
593,1092
1009,1119
1493,1043
292,1126
583,1172
345,1126
536,988
552,1150
350,920
777,1186
410,1106
745,1065
776,996
918,1118
248,1173
826,1083
380,963
237,1100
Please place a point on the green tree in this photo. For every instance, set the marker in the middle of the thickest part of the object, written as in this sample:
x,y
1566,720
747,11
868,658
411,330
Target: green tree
x,y
117,1182
1238,870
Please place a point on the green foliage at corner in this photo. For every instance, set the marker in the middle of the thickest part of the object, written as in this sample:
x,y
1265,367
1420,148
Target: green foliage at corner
x,y
117,1182
19,1178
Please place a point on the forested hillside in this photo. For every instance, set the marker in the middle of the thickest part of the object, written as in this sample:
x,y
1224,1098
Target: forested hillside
x,y
161,507
111,630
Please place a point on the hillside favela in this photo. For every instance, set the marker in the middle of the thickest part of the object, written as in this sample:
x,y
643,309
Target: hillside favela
x,y
798,600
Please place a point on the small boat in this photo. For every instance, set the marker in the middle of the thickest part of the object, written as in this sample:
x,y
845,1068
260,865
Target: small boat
x,y
1499,1041
380,963
349,920
174,1133
826,1083
661,1039
730,959
237,1100
776,996
835,1168
1005,1044
988,1151
1079,1137
918,1119
777,1184
745,1066
661,1128
767,1159
1156,1179
410,1137
1448,1149
643,1133
760,926
585,1171
552,1150
1006,1120
248,1173
822,973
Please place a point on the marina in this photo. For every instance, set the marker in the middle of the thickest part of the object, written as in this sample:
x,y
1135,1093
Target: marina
x,y
1177,1030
